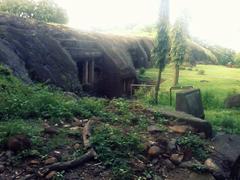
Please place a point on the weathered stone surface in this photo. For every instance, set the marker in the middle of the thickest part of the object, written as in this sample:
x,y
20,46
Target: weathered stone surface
x,y
182,118
232,101
211,165
50,160
55,54
176,158
226,153
195,176
190,101
154,129
51,175
181,129
235,171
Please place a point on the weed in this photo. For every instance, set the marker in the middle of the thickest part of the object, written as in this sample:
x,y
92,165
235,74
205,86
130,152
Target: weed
x,y
16,127
201,72
142,71
115,149
196,144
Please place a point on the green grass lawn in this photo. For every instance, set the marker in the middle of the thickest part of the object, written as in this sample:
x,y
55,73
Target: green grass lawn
x,y
217,83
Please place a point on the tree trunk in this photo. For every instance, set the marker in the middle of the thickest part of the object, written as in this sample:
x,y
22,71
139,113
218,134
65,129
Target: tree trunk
x,y
176,75
157,89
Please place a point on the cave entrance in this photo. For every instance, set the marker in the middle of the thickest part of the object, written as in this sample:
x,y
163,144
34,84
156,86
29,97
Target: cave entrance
x,y
86,71
127,86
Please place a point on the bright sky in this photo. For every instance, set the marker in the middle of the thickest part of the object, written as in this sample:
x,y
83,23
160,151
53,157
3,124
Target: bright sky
x,y
216,21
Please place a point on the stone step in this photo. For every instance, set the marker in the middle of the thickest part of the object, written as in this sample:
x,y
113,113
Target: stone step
x,y
79,44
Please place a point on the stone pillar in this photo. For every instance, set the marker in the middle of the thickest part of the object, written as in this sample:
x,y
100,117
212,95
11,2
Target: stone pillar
x,y
124,86
85,73
91,72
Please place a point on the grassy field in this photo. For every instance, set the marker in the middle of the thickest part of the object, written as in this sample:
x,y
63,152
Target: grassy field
x,y
216,83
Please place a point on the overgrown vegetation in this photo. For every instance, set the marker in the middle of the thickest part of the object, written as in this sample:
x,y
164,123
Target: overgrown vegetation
x,y
25,109
195,144
115,148
214,90
41,102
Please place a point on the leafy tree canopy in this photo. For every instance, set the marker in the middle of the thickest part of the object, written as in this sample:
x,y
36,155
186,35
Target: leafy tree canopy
x,y
42,10
161,48
179,42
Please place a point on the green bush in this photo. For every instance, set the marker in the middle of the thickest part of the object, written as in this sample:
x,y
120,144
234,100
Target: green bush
x,y
210,100
16,127
115,148
142,71
194,143
5,71
201,72
19,100
182,68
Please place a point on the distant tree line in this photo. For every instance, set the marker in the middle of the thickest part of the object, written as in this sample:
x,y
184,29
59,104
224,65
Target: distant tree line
x,y
42,10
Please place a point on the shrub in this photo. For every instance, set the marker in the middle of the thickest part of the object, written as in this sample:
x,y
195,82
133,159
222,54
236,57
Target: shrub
x,y
182,68
210,100
201,72
142,71
19,100
16,127
115,148
5,71
196,144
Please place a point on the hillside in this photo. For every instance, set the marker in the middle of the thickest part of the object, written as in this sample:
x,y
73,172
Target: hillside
x,y
197,54
48,134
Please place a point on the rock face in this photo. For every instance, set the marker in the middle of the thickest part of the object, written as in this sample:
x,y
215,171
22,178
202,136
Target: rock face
x,y
226,155
69,59
190,101
233,101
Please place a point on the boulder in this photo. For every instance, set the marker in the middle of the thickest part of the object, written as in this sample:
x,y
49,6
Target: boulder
x,y
225,156
235,172
176,158
18,143
232,101
181,129
51,175
154,129
195,176
181,118
154,151
50,160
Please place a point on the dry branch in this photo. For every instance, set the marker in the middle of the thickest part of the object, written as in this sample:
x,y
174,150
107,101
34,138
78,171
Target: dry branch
x,y
91,154
87,134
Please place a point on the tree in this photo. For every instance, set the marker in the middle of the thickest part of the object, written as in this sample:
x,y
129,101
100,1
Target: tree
x,y
42,10
161,47
237,60
179,46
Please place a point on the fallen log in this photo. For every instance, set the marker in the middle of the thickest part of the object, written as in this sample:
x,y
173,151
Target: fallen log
x,y
91,154
87,133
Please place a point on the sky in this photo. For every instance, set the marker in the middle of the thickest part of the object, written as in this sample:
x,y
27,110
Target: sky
x,y
214,21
